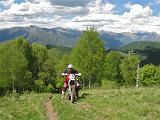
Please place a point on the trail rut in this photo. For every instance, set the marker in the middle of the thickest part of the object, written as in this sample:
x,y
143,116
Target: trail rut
x,y
49,109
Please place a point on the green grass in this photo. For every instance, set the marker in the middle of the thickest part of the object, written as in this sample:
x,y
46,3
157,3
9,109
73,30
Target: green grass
x,y
22,107
99,104
113,104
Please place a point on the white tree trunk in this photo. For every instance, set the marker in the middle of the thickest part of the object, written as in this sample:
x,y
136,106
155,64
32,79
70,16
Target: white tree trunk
x,y
137,79
89,84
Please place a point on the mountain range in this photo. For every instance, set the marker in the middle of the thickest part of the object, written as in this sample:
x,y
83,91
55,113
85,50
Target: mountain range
x,y
68,37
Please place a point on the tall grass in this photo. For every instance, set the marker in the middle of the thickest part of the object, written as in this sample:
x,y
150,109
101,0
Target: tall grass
x,y
112,104
22,107
97,104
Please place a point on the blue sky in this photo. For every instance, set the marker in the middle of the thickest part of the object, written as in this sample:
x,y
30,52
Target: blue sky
x,y
19,1
108,15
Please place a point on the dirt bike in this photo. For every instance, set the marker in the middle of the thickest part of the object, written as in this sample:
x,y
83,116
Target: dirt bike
x,y
71,85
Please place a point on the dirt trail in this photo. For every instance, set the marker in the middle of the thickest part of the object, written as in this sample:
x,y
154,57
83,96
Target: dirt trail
x,y
49,108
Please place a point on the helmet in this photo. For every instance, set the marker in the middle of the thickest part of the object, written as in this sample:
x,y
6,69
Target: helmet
x,y
70,66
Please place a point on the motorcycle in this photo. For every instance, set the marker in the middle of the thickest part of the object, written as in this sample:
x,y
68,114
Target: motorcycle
x,y
72,84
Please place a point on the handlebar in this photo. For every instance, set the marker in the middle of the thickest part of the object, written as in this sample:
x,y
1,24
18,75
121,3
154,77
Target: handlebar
x,y
65,74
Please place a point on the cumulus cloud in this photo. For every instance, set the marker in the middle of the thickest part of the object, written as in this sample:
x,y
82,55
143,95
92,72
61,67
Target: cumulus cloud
x,y
42,9
79,14
97,7
7,3
108,8
137,19
26,9
38,12
138,11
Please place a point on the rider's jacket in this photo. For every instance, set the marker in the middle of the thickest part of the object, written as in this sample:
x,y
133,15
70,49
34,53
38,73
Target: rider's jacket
x,y
69,71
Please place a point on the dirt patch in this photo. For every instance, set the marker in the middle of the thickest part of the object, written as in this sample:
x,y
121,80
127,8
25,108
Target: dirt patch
x,y
49,108
85,106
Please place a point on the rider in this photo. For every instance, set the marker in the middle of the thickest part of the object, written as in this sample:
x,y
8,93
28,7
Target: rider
x,y
68,71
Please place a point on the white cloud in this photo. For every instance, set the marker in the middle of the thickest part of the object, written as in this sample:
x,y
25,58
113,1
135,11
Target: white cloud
x,y
7,3
52,13
42,9
137,19
37,12
96,7
26,9
108,8
138,11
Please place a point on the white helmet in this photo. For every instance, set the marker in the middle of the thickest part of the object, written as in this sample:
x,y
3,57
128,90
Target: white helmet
x,y
70,66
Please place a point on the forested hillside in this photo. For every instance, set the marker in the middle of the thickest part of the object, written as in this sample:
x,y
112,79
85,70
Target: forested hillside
x,y
25,66
141,45
111,76
149,52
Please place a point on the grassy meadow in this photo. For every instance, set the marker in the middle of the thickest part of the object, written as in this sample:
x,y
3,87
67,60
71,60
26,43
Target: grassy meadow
x,y
113,104
98,104
22,107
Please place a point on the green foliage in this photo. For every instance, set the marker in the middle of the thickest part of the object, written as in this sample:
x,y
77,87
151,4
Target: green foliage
x,y
40,54
61,66
29,67
88,56
34,67
129,69
13,66
23,45
20,63
54,56
40,85
27,83
59,48
149,75
48,61
148,51
108,84
49,88
112,66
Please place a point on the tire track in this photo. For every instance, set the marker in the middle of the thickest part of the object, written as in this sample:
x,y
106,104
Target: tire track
x,y
51,114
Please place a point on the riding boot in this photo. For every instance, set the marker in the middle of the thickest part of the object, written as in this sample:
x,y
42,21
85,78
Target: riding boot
x,y
63,94
77,93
